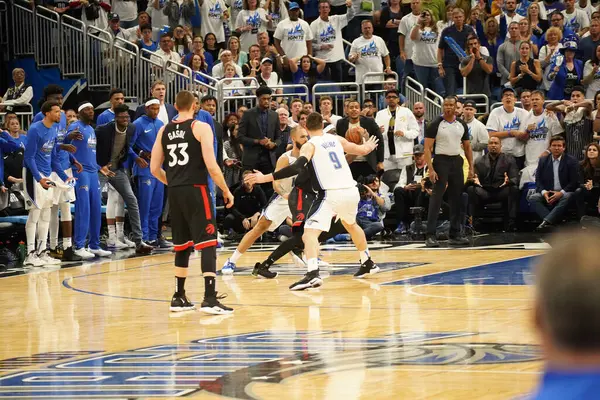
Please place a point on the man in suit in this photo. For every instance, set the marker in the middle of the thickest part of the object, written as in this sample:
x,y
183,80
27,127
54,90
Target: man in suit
x,y
258,133
556,182
362,165
167,112
496,179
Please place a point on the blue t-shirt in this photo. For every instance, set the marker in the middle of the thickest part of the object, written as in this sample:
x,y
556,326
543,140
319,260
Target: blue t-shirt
x,y
562,385
40,151
368,209
150,47
86,148
144,137
106,117
63,156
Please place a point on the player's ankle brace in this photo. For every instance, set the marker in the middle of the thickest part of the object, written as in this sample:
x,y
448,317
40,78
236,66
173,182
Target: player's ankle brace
x,y
182,258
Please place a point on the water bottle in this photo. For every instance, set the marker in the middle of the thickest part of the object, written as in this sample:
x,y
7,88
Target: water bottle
x,y
22,252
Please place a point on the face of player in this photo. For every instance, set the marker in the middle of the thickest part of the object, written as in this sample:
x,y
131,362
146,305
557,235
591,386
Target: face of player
x,y
159,92
264,101
210,106
494,145
468,113
354,110
14,126
56,97
152,111
117,99
300,137
86,115
537,103
122,119
577,96
326,106
54,114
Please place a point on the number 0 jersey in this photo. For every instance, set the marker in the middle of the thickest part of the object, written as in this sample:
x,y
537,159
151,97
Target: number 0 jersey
x,y
183,163
328,166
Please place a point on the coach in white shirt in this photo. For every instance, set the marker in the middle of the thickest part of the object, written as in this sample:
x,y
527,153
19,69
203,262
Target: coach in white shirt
x,y
293,37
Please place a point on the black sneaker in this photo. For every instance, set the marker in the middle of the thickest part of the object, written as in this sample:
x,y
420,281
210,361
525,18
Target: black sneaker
x,y
212,305
366,268
180,302
312,279
164,243
261,271
143,248
57,252
431,242
69,255
458,241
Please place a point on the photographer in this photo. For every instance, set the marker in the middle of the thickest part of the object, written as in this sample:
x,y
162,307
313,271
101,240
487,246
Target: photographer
x,y
372,206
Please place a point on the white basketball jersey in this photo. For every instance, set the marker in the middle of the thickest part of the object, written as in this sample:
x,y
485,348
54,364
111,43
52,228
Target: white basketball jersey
x,y
287,183
329,167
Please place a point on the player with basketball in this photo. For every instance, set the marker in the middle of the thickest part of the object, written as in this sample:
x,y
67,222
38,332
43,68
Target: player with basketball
x,y
188,147
337,195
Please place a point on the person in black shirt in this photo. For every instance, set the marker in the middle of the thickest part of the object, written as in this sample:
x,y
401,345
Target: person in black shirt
x,y
250,199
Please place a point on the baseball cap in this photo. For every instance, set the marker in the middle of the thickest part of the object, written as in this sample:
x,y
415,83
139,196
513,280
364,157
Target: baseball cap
x,y
294,6
508,89
113,16
266,59
418,149
469,103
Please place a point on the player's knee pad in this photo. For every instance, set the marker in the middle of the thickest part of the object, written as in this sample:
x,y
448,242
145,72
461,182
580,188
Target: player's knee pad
x,y
65,212
182,258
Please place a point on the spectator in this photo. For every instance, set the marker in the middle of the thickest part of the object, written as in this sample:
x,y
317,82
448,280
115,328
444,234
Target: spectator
x,y
266,50
372,163
419,113
13,160
557,20
126,10
236,6
549,53
478,134
230,86
508,124
167,112
19,95
476,68
210,42
399,130
408,189
491,37
326,108
164,53
267,76
526,72
538,24
445,20
556,181
232,157
448,62
94,13
198,49
591,77
372,207
293,36
295,108
508,53
527,36
253,64
366,52
249,200
213,14
369,108
586,6
226,57
327,38
525,99
284,131
575,18
304,72
406,41
302,117
182,42
238,56
474,16
277,10
159,18
389,23
145,41
589,177
307,107
566,75
199,69
495,179
135,32
577,121
509,13
258,134
250,21
424,38
588,45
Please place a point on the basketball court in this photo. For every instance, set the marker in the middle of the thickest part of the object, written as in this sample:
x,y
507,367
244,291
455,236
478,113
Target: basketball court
x,y
434,324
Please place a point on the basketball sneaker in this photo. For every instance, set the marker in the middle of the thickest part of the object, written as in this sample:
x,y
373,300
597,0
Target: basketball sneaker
x,y
45,258
57,252
99,252
128,242
180,302
69,255
312,279
366,268
84,254
228,268
212,305
260,271
116,244
33,260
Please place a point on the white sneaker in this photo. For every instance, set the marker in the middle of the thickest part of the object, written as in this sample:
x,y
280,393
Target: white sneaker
x,y
116,244
84,254
46,259
33,260
99,252
128,242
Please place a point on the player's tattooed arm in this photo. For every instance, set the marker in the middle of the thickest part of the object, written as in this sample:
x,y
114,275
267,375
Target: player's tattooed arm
x,y
282,162
157,158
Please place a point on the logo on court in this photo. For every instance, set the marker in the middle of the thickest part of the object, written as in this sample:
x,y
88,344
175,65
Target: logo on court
x,y
210,229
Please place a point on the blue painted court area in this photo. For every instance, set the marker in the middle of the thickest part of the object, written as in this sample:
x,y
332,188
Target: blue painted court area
x,y
509,272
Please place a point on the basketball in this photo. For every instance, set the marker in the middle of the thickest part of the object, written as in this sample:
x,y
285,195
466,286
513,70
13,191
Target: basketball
x,y
353,135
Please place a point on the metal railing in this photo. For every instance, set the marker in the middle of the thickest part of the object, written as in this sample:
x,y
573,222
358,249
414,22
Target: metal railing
x,y
415,92
23,35
338,92
125,73
177,78
72,46
150,68
230,104
47,37
24,114
4,24
482,102
291,90
99,63
374,93
433,104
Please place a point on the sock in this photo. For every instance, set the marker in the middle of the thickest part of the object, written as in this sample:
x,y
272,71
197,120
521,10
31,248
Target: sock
x,y
120,229
31,228
313,264
236,256
179,285
43,226
209,286
364,256
67,243
112,232
54,226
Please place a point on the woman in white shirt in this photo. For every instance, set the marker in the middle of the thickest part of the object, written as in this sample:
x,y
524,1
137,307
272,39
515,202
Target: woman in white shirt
x,y
250,21
591,75
549,53
425,36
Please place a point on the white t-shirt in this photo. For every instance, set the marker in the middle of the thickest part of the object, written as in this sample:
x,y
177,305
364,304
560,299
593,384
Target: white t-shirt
x,y
211,12
159,19
589,8
515,18
273,80
477,134
236,7
258,20
277,17
370,52
163,115
406,24
160,56
127,10
499,120
233,88
425,48
329,32
219,72
293,36
577,21
539,138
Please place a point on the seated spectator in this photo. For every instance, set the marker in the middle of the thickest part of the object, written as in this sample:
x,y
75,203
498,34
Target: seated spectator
x,y
252,66
295,108
419,113
13,160
267,76
369,108
232,154
164,53
226,57
284,131
556,181
325,108
199,68
589,175
302,117
408,189
198,48
495,179
306,73
478,134
18,95
591,77
230,86
182,41
372,206
249,200
526,72
307,107
239,56
476,68
567,75
127,10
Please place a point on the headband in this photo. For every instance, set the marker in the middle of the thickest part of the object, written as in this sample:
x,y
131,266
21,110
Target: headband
x,y
151,102
84,105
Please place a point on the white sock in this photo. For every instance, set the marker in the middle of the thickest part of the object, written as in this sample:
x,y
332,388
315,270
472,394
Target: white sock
x,y
236,256
364,256
54,226
312,264
120,229
67,243
112,232
31,228
42,230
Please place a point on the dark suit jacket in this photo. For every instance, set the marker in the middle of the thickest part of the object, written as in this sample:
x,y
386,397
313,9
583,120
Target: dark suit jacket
x,y
219,136
250,133
371,127
141,110
504,164
568,174
105,137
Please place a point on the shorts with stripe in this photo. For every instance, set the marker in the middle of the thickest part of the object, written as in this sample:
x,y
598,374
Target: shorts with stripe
x,y
342,203
193,222
299,202
276,211
35,195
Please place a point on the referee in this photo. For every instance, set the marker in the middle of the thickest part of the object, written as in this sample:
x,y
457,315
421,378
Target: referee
x,y
446,169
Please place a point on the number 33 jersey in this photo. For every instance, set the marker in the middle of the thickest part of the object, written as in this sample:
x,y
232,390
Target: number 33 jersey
x,y
329,168
183,163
